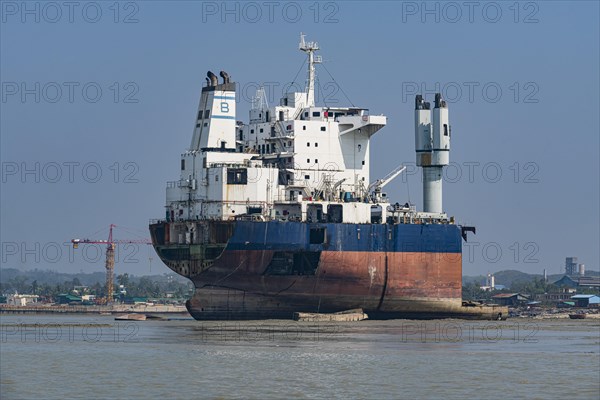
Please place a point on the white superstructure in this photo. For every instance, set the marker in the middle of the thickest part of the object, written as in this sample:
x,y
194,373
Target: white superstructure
x,y
291,161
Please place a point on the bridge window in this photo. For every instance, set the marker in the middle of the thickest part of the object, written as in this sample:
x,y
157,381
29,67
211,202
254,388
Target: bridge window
x,y
182,165
237,176
316,114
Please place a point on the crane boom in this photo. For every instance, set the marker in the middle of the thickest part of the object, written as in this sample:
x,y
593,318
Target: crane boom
x,y
380,183
110,255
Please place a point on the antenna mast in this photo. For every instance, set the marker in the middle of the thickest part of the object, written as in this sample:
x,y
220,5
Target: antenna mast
x,y
309,48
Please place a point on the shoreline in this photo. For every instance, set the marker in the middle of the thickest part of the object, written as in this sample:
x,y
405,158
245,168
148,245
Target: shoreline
x,y
182,311
120,308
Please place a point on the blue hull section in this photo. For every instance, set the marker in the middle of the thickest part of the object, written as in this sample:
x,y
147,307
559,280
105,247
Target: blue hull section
x,y
298,236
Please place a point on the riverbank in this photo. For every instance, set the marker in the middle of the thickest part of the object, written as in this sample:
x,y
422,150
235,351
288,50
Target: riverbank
x,y
180,310
108,309
553,313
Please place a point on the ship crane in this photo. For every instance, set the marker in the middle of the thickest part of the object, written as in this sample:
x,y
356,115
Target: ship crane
x,y
110,255
376,186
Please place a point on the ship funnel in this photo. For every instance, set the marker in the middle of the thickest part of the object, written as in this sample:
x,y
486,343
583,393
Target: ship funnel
x,y
432,145
225,76
215,123
213,78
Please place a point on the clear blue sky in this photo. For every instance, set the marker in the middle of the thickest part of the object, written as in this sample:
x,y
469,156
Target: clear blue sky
x,y
541,132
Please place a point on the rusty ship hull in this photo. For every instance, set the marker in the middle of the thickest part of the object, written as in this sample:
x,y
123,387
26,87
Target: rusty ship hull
x,y
259,269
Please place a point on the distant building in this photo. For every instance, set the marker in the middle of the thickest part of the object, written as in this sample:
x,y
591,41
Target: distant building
x,y
21,299
511,299
67,299
490,283
592,282
555,297
566,282
565,304
578,282
586,300
80,289
571,267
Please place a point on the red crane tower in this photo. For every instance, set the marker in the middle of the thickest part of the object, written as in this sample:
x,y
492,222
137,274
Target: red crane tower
x,y
110,255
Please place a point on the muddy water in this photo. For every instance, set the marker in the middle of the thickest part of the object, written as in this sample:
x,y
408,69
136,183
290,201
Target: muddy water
x,y
58,357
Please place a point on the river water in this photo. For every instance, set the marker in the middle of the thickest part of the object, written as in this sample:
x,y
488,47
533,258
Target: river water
x,y
96,357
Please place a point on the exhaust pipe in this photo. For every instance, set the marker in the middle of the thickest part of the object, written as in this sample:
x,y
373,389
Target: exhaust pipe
x,y
225,76
213,78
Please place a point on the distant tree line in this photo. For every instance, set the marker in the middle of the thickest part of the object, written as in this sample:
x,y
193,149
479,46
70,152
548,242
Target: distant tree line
x,y
472,290
138,287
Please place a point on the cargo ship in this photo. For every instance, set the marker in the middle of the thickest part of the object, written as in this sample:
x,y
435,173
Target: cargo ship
x,y
279,215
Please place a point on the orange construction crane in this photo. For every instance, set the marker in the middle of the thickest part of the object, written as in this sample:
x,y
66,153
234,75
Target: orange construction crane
x,y
110,255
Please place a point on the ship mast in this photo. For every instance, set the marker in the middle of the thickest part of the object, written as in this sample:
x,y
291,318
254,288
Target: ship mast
x,y
309,48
